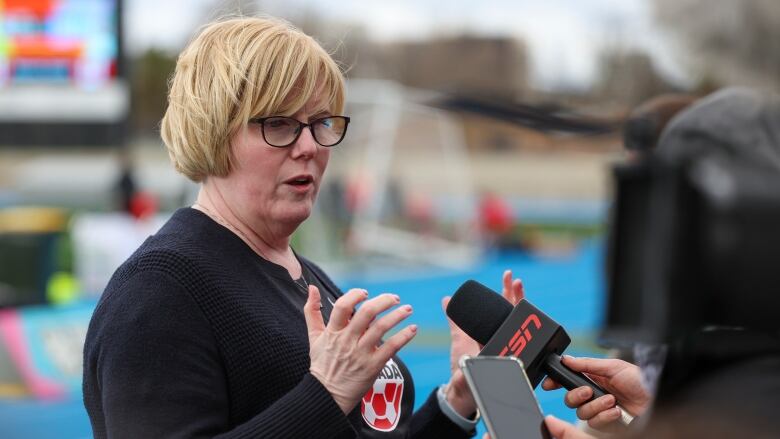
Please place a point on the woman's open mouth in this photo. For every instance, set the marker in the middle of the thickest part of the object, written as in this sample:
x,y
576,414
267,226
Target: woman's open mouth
x,y
301,183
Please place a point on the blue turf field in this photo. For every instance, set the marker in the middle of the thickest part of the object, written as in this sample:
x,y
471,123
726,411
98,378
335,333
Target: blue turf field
x,y
569,289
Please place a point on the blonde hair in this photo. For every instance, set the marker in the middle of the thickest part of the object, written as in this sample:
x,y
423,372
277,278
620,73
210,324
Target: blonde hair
x,y
236,69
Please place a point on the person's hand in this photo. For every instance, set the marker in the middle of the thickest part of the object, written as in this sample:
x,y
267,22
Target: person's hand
x,y
513,290
559,430
457,391
621,379
563,430
346,355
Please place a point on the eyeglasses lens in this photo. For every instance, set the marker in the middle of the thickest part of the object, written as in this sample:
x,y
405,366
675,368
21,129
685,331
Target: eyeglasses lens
x,y
280,131
329,131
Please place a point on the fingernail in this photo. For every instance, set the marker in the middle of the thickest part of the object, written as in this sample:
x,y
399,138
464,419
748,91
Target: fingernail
x,y
397,299
615,412
609,401
408,308
413,328
584,392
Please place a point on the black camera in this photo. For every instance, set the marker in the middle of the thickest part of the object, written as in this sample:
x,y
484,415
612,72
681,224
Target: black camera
x,y
694,243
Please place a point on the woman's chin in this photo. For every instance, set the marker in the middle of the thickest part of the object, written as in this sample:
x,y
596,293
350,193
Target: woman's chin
x,y
295,214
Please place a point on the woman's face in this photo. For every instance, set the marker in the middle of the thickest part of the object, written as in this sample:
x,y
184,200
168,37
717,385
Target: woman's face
x,y
275,187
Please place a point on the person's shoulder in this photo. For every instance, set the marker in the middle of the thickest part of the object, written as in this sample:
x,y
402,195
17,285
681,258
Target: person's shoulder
x,y
168,265
143,281
154,258
180,250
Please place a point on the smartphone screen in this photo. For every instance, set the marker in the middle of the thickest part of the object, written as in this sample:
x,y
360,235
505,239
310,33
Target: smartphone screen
x,y
505,397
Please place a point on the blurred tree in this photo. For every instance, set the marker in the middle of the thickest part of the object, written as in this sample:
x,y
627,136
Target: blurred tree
x,y
727,41
149,75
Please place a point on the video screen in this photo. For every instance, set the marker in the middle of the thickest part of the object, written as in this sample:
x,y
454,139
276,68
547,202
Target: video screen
x,y
68,42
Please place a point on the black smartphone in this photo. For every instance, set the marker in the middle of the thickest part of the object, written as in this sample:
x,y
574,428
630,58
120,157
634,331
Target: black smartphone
x,y
505,397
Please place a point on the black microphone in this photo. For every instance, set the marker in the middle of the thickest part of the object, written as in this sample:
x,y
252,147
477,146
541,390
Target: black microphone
x,y
522,331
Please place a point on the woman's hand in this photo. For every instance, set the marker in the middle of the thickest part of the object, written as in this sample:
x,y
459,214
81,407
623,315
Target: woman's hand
x,y
346,355
621,379
457,391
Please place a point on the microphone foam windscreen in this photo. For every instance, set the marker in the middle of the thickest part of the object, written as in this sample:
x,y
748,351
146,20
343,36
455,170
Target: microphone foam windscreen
x,y
478,310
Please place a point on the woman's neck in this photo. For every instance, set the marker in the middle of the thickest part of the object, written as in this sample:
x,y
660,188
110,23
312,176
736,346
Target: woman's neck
x,y
274,248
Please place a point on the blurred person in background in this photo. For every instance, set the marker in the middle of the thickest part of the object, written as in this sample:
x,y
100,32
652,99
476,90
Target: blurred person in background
x,y
718,381
125,187
496,220
215,327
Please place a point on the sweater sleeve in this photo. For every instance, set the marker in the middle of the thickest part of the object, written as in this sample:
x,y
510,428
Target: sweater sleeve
x,y
153,369
430,421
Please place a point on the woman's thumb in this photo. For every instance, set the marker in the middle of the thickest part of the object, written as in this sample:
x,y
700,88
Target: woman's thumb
x,y
312,314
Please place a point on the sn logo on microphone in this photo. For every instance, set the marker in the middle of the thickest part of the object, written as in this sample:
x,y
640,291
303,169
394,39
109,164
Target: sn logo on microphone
x,y
521,337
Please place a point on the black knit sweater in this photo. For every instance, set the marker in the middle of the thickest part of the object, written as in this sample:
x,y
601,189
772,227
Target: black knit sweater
x,y
196,336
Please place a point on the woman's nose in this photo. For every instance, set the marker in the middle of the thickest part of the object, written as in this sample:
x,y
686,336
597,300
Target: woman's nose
x,y
305,146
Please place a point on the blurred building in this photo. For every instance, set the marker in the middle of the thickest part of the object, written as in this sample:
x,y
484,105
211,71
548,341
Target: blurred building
x,y
463,64
466,64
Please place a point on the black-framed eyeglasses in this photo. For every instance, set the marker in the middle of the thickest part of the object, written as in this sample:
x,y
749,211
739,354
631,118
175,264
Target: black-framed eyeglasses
x,y
281,131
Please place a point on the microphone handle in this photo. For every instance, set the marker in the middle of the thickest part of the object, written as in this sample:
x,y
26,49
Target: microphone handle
x,y
568,378
571,379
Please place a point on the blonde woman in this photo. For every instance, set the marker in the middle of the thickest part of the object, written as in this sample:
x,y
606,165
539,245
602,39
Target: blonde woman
x,y
215,327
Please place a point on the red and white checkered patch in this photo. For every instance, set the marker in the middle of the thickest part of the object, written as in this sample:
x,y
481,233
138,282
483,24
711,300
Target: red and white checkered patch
x,y
381,405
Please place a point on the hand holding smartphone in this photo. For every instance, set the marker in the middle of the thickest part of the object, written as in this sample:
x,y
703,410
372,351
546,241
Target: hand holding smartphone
x,y
504,397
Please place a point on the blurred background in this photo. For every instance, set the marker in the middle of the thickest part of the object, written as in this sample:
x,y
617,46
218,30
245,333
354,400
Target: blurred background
x,y
481,140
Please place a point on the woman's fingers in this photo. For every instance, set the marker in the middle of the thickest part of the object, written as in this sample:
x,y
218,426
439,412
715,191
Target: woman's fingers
x,y
379,328
312,314
344,356
367,313
394,344
342,309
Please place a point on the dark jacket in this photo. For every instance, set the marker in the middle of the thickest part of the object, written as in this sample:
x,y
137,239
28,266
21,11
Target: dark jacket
x,y
197,336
